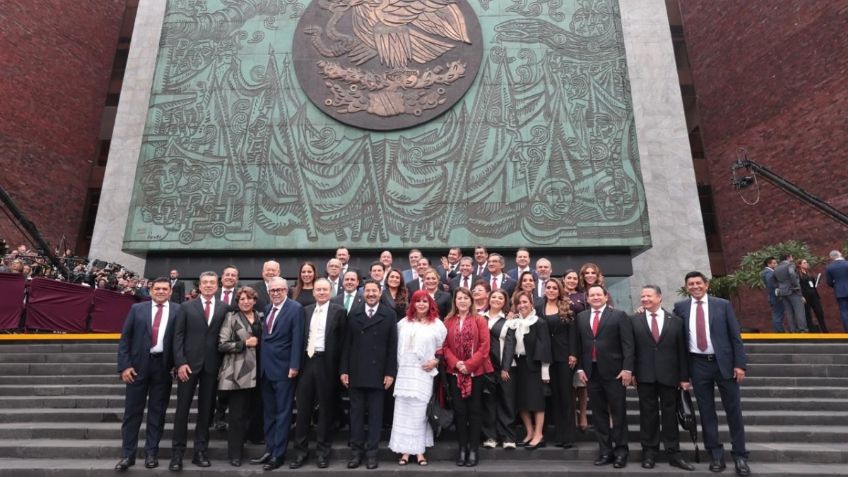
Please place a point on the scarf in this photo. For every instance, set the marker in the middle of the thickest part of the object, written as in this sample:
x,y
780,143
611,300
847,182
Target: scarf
x,y
463,345
522,327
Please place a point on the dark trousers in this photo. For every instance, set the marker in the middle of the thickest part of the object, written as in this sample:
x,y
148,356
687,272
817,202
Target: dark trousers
x,y
562,402
607,397
316,384
277,407
843,312
362,401
813,304
705,376
468,412
245,406
154,389
657,400
206,385
499,408
222,402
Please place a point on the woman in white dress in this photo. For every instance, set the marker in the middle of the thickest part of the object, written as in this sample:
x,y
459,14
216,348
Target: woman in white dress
x,y
420,335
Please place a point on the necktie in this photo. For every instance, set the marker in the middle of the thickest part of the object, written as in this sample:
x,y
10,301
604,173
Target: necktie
x,y
595,323
370,313
270,322
700,327
157,320
347,302
655,329
206,310
333,290
465,282
227,296
494,283
310,345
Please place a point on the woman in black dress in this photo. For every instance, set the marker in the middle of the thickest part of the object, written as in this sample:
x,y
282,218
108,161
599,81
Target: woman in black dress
x,y
533,358
306,276
557,313
395,294
812,300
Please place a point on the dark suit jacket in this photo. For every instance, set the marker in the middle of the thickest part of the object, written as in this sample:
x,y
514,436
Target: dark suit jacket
x,y
443,301
334,333
507,284
724,333
614,343
456,281
485,275
537,345
501,360
563,336
338,281
413,285
445,275
400,309
357,300
513,273
836,275
370,347
666,361
262,298
195,342
770,284
178,292
283,348
136,337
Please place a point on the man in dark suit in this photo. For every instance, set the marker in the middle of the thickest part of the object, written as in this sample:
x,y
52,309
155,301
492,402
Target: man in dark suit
x,y
280,357
145,362
197,360
350,296
334,276
270,269
789,292
661,367
449,267
227,295
770,284
420,269
481,262
318,383
606,359
368,368
836,275
465,278
411,273
716,358
343,255
497,278
522,264
543,273
178,293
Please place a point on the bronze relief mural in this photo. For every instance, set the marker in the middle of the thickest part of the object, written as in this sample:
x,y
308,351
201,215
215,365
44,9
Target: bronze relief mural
x,y
250,143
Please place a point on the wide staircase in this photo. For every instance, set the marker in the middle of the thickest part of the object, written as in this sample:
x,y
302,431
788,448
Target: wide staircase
x,y
61,405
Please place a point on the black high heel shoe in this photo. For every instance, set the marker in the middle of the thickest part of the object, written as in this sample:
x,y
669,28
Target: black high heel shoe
x,y
462,458
534,447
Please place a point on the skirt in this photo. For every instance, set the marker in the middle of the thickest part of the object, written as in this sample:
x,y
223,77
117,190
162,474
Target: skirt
x,y
530,390
411,433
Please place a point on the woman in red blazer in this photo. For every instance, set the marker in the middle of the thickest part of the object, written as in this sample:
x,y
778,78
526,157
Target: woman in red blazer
x,y
466,353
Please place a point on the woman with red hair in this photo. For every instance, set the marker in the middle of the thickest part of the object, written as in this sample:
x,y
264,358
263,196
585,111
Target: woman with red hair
x,y
420,336
467,357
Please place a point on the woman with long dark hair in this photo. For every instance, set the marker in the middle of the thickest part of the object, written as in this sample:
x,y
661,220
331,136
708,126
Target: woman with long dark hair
x,y
527,282
306,276
395,294
499,408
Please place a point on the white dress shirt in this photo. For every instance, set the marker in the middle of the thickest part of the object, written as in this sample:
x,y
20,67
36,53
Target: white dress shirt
x,y
660,319
693,326
163,324
317,326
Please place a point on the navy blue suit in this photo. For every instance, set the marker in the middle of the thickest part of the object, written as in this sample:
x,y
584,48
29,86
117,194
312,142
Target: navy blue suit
x,y
282,349
706,373
837,278
152,381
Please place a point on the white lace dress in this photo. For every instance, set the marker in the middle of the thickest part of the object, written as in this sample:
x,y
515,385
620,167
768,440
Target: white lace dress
x,y
417,344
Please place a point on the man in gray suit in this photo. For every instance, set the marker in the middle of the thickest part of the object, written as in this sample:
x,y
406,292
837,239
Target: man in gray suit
x,y
770,284
789,292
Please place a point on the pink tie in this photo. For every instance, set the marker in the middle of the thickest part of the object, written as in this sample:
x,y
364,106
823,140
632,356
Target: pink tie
x,y
655,329
494,283
206,310
227,296
270,322
700,327
157,320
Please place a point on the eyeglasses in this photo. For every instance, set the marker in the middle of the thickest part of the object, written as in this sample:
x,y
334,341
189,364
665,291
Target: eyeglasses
x,y
277,290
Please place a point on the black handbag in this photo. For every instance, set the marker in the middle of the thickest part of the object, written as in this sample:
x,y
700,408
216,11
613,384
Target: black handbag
x,y
440,418
686,418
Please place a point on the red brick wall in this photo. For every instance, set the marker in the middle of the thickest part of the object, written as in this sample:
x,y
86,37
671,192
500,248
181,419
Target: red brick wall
x,y
56,60
771,77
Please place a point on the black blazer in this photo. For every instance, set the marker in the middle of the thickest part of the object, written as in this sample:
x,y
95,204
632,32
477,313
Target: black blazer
x,y
357,301
456,281
413,285
400,308
443,301
537,345
334,333
501,361
370,347
663,362
262,297
136,337
614,343
178,292
563,336
195,342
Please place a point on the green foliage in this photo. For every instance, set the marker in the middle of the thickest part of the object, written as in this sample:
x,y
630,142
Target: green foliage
x,y
748,273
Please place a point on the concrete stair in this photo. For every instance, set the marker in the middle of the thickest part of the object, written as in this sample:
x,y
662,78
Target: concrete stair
x,y
61,406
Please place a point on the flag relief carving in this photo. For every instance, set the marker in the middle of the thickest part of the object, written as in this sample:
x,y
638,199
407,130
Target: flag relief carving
x,y
389,123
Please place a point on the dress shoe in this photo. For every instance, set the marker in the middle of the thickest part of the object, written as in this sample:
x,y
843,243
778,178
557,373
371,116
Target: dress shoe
x,y
490,444
261,460
151,462
297,462
371,463
535,446
274,463
354,463
124,464
472,459
462,458
176,464
677,461
200,459
620,461
742,466
604,459
648,462
235,462
323,462
717,465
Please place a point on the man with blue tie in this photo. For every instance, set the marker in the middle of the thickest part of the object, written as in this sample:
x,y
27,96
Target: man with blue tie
x,y
282,350
145,362
716,358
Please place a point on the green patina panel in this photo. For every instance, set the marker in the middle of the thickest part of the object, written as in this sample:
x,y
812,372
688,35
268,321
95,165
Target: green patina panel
x,y
541,151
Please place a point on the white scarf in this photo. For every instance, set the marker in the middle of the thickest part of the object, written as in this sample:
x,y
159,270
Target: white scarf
x,y
522,327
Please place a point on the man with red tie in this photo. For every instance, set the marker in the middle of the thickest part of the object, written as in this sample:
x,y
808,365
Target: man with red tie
x,y
197,360
145,361
606,358
465,278
716,358
497,278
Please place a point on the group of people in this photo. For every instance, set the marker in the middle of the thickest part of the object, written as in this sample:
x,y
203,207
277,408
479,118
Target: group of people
x,y
792,292
500,341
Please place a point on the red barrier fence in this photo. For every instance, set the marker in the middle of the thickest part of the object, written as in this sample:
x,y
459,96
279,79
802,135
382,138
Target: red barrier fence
x,y
11,299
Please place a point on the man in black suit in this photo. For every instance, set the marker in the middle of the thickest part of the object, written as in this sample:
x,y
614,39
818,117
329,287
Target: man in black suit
x,y
334,275
716,358
449,266
543,273
368,368
145,362
481,262
197,360
497,278
421,267
177,287
522,264
661,367
606,358
270,269
343,255
465,278
318,382
350,296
